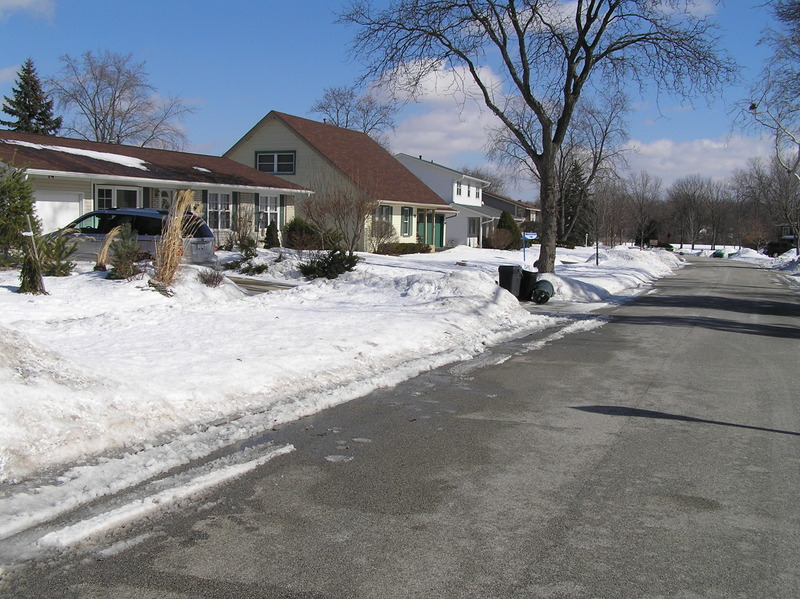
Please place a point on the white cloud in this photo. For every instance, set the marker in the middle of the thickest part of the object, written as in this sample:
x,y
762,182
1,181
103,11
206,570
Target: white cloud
x,y
715,158
8,74
39,8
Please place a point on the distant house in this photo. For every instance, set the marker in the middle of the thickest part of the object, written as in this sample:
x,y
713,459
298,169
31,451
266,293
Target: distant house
x,y
463,192
319,156
71,177
521,211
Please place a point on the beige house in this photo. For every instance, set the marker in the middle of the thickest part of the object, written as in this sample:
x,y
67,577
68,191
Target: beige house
x,y
322,157
72,176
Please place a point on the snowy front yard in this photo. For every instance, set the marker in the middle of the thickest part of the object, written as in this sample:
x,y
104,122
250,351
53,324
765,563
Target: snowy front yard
x,y
98,365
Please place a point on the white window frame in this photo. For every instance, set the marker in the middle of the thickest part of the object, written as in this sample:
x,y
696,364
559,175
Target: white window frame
x,y
269,162
406,221
114,189
384,213
219,210
268,210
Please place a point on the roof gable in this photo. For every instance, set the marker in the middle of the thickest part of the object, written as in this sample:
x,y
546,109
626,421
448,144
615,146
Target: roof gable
x,y
360,158
58,155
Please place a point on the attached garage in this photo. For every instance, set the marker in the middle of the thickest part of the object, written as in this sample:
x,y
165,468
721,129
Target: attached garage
x,y
57,208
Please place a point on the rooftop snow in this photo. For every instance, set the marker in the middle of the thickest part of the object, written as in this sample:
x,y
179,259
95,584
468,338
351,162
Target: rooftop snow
x,y
106,156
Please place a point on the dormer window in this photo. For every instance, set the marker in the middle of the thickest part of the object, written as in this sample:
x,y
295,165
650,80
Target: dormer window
x,y
276,163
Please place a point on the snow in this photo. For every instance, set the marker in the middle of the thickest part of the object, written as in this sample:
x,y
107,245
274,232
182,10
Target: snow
x,y
106,156
108,384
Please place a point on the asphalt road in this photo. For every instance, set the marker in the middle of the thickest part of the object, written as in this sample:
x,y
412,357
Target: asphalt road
x,y
657,455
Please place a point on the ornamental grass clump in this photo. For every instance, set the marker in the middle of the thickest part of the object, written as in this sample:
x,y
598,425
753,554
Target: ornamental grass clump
x,y
102,255
169,250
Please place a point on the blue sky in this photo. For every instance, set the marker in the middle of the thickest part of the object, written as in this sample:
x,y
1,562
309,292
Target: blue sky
x,y
235,60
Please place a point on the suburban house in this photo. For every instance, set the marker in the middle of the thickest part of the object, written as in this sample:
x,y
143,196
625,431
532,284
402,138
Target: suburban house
x,y
71,177
464,193
329,159
521,211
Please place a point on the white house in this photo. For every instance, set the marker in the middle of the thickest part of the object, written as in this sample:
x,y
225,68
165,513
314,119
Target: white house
x,y
463,192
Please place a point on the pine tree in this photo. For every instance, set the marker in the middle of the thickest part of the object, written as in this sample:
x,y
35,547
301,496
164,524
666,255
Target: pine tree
x,y
576,213
16,201
30,106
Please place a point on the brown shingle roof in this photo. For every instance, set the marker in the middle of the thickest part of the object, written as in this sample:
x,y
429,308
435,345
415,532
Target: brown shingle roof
x,y
80,157
368,164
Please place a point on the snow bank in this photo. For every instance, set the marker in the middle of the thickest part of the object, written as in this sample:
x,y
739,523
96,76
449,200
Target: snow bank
x,y
102,365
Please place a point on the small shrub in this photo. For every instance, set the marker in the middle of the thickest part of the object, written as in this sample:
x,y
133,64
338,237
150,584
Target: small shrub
x,y
54,254
328,264
248,268
506,222
499,239
124,254
247,246
271,239
232,265
299,234
211,277
383,232
30,275
399,249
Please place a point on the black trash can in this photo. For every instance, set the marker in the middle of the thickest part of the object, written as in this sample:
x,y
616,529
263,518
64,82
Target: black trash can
x,y
510,278
526,285
542,291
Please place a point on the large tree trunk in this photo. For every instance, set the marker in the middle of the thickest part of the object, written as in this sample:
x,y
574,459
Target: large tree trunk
x,y
549,203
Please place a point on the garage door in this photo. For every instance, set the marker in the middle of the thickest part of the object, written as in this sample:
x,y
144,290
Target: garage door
x,y
56,209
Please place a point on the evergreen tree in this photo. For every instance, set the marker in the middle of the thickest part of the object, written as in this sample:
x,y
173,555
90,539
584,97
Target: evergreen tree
x,y
576,214
271,239
16,201
30,106
507,222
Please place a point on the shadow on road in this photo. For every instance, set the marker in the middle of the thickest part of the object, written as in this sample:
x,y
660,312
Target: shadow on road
x,y
728,304
637,413
717,324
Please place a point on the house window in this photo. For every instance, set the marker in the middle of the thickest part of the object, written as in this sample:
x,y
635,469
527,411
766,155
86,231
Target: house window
x,y
478,192
277,163
105,198
406,227
117,197
219,210
384,213
267,211
458,188
469,190
474,227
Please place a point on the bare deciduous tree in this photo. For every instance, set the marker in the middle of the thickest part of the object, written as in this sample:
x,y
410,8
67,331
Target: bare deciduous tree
x,y
109,100
643,192
346,107
340,212
780,190
685,197
774,106
545,52
495,177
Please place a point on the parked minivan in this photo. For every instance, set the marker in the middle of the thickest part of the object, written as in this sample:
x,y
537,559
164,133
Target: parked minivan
x,y
90,230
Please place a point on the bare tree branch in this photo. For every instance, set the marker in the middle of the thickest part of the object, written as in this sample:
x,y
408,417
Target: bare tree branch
x,y
111,101
546,51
